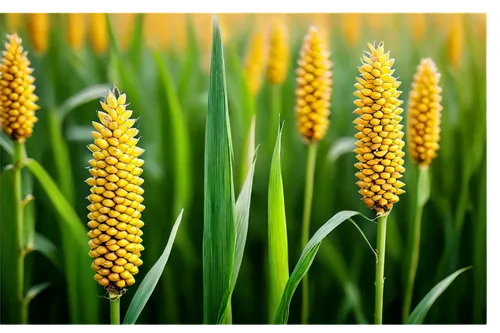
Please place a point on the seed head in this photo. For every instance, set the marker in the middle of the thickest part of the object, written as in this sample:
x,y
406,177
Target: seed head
x,y
116,196
255,61
98,33
75,33
417,26
314,78
38,26
424,113
352,28
17,98
279,52
380,137
456,40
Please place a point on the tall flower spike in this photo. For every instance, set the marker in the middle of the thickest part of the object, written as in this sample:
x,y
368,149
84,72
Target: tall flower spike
x,y
279,52
116,196
17,98
380,136
98,33
255,61
424,113
75,33
38,26
456,40
314,78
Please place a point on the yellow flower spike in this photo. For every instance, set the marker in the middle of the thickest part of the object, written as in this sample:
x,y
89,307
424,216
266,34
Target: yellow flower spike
x,y
116,197
14,21
17,98
418,23
75,30
279,52
98,33
314,78
424,115
380,137
38,27
255,62
456,40
351,25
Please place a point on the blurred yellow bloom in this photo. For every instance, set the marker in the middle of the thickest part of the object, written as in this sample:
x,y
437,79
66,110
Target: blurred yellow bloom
x,y
279,52
76,30
98,33
38,26
255,61
351,26
456,40
418,24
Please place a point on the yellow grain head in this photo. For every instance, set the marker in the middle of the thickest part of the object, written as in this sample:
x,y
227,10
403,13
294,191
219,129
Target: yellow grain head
x,y
75,30
98,33
38,27
14,21
418,23
351,26
314,79
17,97
380,137
255,61
456,40
279,54
116,195
424,114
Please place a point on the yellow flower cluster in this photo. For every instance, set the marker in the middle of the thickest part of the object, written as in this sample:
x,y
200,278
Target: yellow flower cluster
x,y
277,65
255,61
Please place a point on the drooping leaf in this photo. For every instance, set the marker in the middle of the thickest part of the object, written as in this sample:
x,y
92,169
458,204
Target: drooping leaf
x,y
88,94
148,285
45,246
35,290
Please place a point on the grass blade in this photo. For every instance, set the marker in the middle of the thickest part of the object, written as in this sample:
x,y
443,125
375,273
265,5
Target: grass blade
x,y
148,285
219,224
6,144
86,95
74,247
340,147
418,315
305,261
277,234
35,290
45,246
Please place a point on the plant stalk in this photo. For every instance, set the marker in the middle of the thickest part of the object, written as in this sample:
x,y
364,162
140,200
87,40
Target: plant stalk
x,y
379,271
18,157
306,221
114,307
414,254
276,106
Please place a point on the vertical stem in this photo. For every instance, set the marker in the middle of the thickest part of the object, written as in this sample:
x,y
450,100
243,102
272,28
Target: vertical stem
x,y
379,271
306,221
114,306
19,155
228,319
414,254
275,113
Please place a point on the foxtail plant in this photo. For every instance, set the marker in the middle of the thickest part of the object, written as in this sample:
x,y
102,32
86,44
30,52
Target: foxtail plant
x,y
75,30
456,40
255,62
424,118
17,115
379,147
98,33
38,27
312,109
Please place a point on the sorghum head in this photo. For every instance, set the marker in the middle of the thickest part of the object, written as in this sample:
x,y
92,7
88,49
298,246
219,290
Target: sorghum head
x,y
116,196
17,98
314,78
424,116
380,136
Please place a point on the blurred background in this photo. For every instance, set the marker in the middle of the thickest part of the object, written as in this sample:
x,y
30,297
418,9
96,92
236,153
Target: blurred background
x,y
73,52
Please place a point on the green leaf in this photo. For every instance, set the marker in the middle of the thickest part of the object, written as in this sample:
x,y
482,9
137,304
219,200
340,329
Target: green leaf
x,y
45,246
148,285
424,186
219,224
86,95
35,290
306,260
340,147
418,315
277,235
242,211
74,247
6,144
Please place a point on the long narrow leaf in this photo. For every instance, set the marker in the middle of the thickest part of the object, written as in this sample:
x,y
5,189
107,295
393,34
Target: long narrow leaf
x,y
6,144
35,290
86,95
277,234
45,246
219,224
418,315
148,285
306,260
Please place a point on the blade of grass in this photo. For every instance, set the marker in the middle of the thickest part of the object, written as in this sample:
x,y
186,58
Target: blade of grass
x,y
45,246
305,261
148,285
86,95
418,315
74,245
219,224
6,144
35,290
277,234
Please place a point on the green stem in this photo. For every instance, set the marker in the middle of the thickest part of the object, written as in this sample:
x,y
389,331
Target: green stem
x,y
19,155
276,106
415,249
379,271
114,307
228,318
306,221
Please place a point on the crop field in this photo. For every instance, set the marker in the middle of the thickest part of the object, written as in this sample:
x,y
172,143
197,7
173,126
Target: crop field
x,y
199,168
